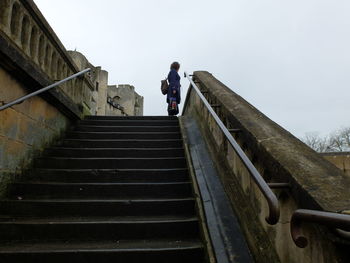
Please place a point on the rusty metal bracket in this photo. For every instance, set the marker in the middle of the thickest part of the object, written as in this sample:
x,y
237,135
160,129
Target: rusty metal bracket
x,y
330,219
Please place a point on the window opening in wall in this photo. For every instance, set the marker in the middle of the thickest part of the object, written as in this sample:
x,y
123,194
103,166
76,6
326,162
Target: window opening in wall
x,y
41,50
15,19
25,32
47,55
97,85
3,13
33,47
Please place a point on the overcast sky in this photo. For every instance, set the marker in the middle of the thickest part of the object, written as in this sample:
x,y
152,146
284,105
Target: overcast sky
x,y
289,58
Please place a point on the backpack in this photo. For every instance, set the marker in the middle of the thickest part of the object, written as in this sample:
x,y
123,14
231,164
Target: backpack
x,y
164,87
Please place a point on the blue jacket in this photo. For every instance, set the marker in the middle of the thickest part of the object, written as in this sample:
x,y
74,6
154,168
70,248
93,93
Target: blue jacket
x,y
174,84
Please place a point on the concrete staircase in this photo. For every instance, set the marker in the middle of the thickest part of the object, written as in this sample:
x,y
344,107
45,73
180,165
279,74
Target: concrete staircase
x,y
116,189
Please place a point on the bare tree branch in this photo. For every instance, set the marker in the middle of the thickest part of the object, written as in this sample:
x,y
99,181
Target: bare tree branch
x,y
338,141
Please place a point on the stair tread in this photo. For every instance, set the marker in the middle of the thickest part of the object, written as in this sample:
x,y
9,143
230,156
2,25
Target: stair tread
x,y
100,219
115,148
121,126
154,117
132,120
126,140
130,123
107,175
97,220
101,184
112,158
96,246
104,200
113,170
103,132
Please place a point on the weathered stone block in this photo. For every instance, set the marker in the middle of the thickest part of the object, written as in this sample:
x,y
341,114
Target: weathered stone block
x,y
14,154
279,157
2,152
38,109
9,120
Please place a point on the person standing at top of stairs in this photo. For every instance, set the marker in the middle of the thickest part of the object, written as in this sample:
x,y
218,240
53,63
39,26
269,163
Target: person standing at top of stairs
x,y
174,96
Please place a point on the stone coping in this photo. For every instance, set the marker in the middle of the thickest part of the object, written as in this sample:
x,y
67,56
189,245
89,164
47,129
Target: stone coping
x,y
315,182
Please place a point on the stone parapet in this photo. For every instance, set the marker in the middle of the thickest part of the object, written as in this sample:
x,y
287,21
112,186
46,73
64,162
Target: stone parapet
x,y
32,57
279,157
31,49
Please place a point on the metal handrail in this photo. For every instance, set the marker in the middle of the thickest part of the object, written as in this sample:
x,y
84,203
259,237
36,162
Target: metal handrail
x,y
336,220
274,211
21,99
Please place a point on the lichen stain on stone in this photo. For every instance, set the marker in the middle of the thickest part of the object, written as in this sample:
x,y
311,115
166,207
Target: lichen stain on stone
x,y
2,152
9,123
23,128
38,109
13,152
267,139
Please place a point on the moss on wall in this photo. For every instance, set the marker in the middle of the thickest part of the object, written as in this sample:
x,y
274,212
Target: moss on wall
x,y
25,129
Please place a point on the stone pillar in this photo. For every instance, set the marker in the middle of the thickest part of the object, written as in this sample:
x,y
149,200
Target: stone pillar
x,y
5,15
102,84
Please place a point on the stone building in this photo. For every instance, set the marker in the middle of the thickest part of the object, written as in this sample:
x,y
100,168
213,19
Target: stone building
x,y
339,159
31,57
120,100
125,98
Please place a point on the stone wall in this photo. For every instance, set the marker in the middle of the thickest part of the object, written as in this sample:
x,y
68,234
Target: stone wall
x,y
31,57
279,157
25,129
99,79
125,100
29,43
340,160
120,100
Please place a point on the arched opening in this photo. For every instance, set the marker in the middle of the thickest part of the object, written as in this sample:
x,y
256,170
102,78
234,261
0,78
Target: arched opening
x,y
68,73
25,33
59,69
64,71
34,43
4,12
54,66
41,50
15,19
47,56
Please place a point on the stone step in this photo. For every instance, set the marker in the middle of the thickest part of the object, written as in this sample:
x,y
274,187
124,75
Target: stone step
x,y
72,229
124,135
116,189
119,128
110,163
115,207
84,143
114,152
109,175
100,190
123,122
125,251
91,117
